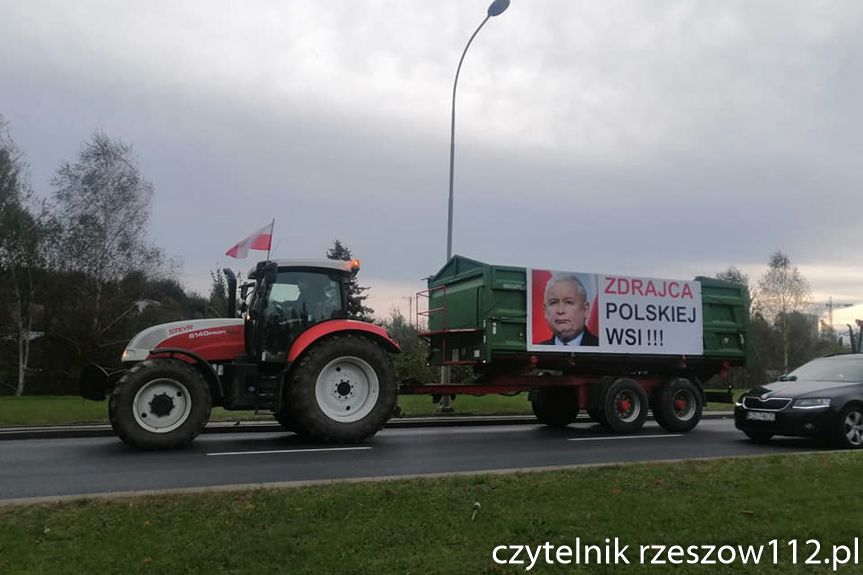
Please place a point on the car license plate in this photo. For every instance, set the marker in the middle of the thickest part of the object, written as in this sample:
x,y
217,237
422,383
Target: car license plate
x,y
760,416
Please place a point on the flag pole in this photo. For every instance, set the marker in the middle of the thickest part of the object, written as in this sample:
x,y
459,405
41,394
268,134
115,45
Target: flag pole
x,y
272,229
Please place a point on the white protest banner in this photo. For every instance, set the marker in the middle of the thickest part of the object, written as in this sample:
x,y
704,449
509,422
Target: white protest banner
x,y
602,313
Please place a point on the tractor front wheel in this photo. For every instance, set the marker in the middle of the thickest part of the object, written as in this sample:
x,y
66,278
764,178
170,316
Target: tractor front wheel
x,y
343,390
160,404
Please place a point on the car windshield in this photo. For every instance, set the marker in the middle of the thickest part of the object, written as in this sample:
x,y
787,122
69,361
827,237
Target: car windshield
x,y
830,369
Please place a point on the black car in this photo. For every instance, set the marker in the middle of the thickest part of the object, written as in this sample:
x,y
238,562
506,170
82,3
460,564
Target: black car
x,y
822,398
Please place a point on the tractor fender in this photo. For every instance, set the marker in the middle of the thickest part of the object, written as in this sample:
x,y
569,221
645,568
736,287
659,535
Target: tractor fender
x,y
330,327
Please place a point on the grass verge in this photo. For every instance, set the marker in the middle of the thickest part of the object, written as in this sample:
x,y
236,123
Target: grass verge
x,y
69,409
419,405
424,526
63,410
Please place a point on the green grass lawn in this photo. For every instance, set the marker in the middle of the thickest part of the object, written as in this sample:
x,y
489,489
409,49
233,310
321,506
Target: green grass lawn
x,y
68,409
417,405
424,526
57,410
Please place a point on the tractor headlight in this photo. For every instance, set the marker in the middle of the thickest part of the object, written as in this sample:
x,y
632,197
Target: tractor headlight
x,y
812,403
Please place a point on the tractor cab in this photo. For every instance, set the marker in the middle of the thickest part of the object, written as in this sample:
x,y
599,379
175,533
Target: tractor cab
x,y
289,349
289,297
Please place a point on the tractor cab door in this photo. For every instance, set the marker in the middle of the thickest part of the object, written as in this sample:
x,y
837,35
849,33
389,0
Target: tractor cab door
x,y
297,299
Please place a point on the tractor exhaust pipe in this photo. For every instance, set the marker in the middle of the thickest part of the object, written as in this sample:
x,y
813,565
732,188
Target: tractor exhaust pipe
x,y
232,292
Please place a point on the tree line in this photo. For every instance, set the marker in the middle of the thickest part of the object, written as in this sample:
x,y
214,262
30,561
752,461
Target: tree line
x,y
78,279
784,333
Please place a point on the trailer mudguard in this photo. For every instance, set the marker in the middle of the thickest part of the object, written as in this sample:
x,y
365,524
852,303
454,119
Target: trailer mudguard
x,y
332,326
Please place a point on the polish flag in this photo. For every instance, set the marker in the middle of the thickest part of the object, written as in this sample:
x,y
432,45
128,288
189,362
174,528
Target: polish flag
x,y
260,240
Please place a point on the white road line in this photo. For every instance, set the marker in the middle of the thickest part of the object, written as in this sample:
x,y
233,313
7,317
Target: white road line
x,y
290,451
625,437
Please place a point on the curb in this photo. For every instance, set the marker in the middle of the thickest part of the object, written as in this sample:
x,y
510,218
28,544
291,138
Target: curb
x,y
215,427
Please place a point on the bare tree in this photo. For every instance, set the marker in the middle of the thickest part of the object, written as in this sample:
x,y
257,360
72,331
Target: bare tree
x,y
219,294
21,248
782,291
733,274
103,205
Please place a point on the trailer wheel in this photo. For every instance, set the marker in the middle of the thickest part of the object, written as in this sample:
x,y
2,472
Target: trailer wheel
x,y
597,415
160,404
677,405
596,400
555,406
625,406
343,390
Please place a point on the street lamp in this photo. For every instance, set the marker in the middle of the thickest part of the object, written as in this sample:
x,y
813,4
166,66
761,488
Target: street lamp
x,y
410,309
496,8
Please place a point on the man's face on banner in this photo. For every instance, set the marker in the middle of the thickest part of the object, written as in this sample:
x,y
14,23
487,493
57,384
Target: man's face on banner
x,y
565,310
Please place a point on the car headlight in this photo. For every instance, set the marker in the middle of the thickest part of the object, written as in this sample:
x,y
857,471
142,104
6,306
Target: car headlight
x,y
812,403
128,355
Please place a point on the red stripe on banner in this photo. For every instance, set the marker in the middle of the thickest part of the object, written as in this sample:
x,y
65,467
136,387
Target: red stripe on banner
x,y
541,331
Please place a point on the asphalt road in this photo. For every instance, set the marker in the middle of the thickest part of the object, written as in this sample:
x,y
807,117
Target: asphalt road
x,y
57,467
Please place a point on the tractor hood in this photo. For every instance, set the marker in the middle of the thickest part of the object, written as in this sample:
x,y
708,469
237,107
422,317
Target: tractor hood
x,y
218,339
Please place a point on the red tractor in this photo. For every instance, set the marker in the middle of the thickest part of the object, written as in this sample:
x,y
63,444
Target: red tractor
x,y
293,351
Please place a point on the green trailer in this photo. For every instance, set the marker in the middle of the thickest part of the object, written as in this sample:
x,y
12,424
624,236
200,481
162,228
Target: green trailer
x,y
657,341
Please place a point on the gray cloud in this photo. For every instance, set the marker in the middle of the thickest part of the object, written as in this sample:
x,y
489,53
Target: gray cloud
x,y
638,137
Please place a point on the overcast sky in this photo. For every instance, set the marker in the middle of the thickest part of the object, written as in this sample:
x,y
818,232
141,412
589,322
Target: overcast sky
x,y
664,138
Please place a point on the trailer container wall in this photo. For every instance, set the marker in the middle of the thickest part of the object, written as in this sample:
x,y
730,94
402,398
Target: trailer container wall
x,y
478,312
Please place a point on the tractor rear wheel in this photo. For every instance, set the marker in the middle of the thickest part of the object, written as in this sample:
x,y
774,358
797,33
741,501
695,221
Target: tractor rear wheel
x,y
160,404
343,390
283,417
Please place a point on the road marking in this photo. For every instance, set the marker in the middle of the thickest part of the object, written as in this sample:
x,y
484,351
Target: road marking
x,y
624,437
290,450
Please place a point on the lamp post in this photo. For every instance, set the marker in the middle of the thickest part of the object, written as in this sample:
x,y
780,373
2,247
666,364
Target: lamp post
x,y
410,310
496,8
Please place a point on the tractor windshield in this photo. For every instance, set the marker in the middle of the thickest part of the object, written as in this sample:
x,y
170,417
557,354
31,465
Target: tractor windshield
x,y
297,300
